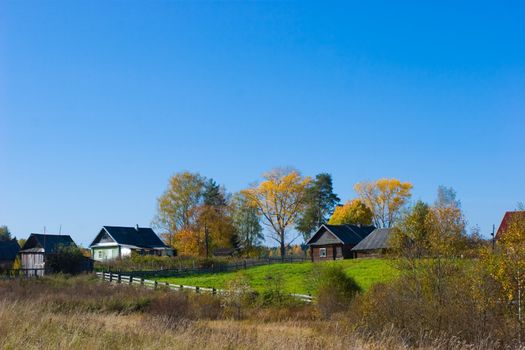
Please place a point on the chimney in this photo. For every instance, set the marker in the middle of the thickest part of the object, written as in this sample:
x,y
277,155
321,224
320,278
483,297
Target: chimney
x,y
137,227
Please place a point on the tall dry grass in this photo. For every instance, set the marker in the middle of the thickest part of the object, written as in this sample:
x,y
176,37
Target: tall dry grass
x,y
82,313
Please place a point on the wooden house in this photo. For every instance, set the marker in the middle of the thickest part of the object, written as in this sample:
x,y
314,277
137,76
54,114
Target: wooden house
x,y
8,252
374,244
332,242
37,249
115,242
507,219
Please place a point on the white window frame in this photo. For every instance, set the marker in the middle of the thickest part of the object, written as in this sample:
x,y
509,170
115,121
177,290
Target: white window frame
x,y
322,252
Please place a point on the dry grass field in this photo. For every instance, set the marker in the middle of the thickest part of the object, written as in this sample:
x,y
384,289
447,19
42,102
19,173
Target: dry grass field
x,y
83,313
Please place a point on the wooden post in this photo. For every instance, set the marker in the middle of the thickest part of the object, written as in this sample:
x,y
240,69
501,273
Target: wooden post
x,y
197,290
130,280
155,285
110,276
213,291
119,277
142,281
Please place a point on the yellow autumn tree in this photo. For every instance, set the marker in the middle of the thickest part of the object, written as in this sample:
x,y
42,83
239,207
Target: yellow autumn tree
x,y
506,265
386,198
354,212
279,199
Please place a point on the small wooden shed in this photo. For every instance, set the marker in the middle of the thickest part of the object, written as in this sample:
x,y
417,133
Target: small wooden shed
x,y
37,248
332,242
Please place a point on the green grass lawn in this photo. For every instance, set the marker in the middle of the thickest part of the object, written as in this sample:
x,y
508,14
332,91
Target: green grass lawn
x,y
295,276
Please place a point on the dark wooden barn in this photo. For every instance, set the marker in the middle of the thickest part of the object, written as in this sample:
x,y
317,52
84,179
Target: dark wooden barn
x,y
8,253
332,242
37,248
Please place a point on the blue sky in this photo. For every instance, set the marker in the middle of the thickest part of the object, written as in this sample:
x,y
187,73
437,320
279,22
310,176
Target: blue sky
x,y
100,102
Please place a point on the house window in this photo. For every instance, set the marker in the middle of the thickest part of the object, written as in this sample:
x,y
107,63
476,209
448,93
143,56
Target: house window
x,y
322,252
100,254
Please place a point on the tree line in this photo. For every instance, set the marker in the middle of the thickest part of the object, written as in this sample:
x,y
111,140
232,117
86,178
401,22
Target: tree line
x,y
197,216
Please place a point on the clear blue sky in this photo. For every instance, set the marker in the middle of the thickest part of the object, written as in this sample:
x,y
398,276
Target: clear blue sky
x,y
100,102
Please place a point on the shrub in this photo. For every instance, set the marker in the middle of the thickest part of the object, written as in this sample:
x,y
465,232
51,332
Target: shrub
x,y
334,289
66,259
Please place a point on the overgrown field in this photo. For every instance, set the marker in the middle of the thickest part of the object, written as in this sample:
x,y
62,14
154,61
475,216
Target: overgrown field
x,y
296,276
83,313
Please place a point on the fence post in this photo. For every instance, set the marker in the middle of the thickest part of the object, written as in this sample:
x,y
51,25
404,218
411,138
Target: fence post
x,y
168,285
213,291
155,285
110,276
119,277
197,290
244,263
130,280
142,281
181,287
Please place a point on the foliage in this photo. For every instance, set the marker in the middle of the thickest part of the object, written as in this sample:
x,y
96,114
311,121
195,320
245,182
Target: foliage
x,y
446,197
177,207
280,199
320,204
507,267
354,212
247,224
334,289
67,259
5,234
410,237
386,198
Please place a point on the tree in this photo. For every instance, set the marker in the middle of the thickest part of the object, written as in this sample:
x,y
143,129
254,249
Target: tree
x,y
446,197
320,204
247,223
507,267
177,207
213,216
386,198
411,236
354,212
5,234
279,199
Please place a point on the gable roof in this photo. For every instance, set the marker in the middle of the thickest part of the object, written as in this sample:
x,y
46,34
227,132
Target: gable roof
x,y
8,250
346,234
141,237
507,218
378,239
50,243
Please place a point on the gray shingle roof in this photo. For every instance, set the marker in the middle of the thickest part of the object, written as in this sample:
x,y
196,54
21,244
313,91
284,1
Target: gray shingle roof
x,y
378,239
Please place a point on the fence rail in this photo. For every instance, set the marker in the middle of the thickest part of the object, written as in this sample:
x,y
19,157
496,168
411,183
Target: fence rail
x,y
215,268
131,280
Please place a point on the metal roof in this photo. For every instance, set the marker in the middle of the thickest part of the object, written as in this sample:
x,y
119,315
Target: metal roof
x,y
347,234
378,239
8,250
140,237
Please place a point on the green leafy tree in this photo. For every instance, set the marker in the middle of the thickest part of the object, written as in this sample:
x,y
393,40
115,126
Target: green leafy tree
x,y
411,236
320,203
249,233
5,234
354,212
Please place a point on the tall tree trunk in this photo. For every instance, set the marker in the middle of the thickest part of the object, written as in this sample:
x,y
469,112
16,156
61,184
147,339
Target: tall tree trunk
x,y
283,248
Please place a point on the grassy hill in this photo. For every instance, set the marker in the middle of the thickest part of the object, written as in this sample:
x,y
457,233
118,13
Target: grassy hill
x,y
295,276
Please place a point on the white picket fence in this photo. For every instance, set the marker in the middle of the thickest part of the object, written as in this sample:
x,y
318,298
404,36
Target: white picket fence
x,y
130,280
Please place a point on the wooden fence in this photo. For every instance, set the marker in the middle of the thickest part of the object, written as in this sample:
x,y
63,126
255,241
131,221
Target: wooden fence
x,y
20,273
239,265
140,281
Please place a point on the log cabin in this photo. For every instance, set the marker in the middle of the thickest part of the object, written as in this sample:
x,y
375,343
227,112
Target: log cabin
x,y
374,244
333,242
